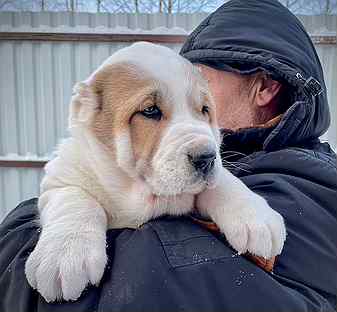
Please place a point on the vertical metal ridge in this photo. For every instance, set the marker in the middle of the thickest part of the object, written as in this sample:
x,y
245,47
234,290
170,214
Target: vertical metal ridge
x,y
73,69
3,195
35,105
53,102
16,97
40,111
21,184
37,101
91,67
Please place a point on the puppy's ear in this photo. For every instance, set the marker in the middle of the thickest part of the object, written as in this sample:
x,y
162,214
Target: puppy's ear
x,y
85,104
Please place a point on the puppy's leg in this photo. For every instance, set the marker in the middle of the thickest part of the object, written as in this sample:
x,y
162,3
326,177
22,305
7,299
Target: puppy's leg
x,y
71,251
245,218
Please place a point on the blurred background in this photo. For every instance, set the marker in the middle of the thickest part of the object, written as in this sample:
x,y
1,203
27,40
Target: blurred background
x,y
46,46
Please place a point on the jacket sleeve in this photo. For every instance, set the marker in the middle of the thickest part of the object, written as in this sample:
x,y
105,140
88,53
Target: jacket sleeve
x,y
19,233
302,188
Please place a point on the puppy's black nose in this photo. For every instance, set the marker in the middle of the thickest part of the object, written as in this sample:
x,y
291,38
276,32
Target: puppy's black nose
x,y
203,163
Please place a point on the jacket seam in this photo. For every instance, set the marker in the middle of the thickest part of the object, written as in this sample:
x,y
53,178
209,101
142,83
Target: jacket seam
x,y
19,248
329,162
172,243
305,284
162,246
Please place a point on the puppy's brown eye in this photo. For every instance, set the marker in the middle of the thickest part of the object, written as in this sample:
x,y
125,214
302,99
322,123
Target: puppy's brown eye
x,y
152,112
205,109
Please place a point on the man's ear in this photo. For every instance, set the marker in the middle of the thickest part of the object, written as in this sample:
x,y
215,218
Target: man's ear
x,y
267,89
85,103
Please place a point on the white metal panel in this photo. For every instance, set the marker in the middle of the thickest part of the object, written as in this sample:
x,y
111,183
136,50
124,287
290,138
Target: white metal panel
x,y
9,142
319,24
99,22
17,185
328,57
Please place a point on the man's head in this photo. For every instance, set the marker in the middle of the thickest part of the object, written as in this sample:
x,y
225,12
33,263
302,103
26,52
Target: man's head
x,y
246,37
243,100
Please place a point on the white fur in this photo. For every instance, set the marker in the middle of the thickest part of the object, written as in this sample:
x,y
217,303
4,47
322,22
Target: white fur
x,y
124,154
174,175
86,190
246,219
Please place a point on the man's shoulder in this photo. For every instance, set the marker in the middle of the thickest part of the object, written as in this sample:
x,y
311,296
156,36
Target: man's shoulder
x,y
321,153
24,216
178,240
297,161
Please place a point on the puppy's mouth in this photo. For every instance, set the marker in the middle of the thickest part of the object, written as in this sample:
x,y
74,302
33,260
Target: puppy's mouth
x,y
197,184
152,199
202,182
211,183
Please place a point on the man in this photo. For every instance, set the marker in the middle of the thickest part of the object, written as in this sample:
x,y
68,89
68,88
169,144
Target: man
x,y
268,85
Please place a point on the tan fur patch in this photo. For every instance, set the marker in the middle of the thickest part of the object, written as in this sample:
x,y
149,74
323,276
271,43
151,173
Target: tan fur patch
x,y
146,137
125,90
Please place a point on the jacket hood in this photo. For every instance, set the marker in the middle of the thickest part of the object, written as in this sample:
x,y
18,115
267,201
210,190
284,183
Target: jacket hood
x,y
252,35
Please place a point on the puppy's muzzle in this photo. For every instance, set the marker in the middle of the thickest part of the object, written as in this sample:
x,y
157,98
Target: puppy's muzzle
x,y
204,162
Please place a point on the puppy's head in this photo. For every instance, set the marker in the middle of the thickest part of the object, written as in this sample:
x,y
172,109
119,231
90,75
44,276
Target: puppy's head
x,y
152,110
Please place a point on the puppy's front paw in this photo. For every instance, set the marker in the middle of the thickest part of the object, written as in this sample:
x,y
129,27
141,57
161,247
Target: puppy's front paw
x,y
255,227
61,266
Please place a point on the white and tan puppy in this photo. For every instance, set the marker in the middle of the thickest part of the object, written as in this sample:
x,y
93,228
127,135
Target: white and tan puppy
x,y
144,142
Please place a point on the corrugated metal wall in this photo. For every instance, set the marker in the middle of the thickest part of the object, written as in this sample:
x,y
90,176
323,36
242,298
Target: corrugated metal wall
x,y
36,78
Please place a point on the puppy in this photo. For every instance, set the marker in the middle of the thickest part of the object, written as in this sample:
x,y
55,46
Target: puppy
x,y
144,143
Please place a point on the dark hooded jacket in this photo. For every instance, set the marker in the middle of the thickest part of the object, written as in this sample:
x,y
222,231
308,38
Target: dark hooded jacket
x,y
174,264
